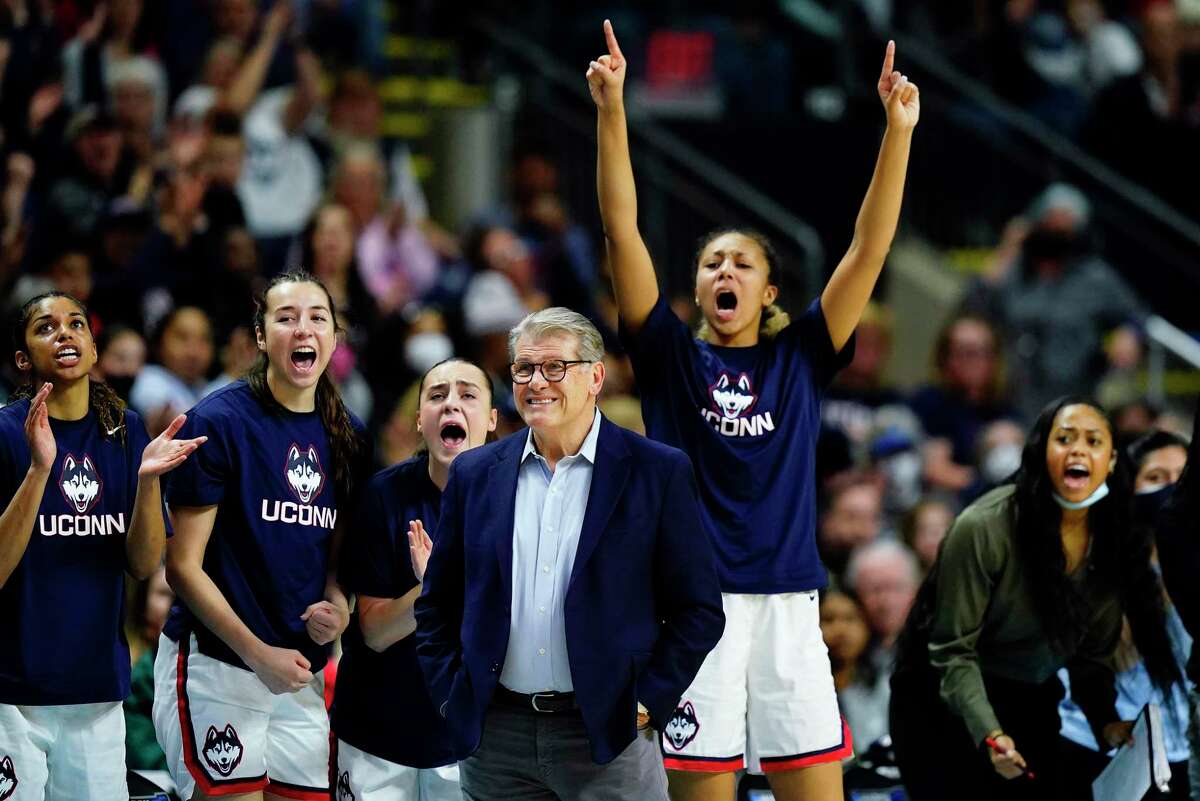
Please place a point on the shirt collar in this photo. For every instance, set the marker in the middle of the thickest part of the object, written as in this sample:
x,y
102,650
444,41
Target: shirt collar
x,y
587,450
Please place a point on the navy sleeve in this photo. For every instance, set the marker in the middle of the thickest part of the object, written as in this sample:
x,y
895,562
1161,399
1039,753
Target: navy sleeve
x,y
439,609
810,334
1178,538
657,344
136,440
377,560
200,481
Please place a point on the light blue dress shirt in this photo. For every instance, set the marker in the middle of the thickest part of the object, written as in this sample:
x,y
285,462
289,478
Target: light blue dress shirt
x,y
1134,691
547,522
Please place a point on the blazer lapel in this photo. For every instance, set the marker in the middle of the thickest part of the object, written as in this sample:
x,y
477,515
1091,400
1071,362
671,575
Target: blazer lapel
x,y
609,475
502,485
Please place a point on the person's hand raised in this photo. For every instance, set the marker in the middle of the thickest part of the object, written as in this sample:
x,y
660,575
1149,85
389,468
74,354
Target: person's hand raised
x,y
901,98
606,75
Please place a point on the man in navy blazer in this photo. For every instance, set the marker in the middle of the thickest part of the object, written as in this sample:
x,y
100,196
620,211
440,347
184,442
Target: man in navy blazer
x,y
571,595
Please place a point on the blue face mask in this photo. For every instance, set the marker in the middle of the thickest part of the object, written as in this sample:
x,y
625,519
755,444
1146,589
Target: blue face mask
x,y
1100,494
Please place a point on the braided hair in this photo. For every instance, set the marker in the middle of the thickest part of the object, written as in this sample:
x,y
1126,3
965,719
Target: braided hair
x,y
345,444
107,404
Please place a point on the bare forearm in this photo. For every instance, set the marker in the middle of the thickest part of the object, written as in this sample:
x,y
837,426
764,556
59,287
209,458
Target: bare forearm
x,y
385,623
147,532
18,519
248,80
208,603
846,295
634,283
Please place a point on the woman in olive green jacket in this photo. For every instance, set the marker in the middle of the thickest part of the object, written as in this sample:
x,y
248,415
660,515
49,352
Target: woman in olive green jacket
x,y
1034,575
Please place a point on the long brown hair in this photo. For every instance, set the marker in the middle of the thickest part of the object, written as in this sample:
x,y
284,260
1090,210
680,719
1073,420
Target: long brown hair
x,y
107,404
774,318
345,444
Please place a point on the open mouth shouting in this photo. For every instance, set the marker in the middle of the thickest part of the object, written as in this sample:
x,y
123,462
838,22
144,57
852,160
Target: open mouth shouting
x,y
304,358
727,303
453,435
1077,476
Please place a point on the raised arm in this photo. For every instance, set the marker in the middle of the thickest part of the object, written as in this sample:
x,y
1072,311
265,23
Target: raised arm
x,y
850,287
248,80
634,283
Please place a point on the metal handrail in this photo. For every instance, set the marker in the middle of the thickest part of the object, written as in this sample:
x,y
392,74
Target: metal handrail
x,y
686,158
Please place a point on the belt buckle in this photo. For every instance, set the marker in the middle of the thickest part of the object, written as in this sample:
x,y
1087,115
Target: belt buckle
x,y
533,699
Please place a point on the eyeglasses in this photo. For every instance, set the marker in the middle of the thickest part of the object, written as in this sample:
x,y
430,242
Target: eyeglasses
x,y
552,370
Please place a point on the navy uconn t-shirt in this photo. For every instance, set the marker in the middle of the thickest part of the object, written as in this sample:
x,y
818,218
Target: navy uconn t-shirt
x,y
749,419
381,705
64,604
270,474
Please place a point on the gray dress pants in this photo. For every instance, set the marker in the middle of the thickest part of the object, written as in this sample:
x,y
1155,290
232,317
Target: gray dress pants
x,y
528,756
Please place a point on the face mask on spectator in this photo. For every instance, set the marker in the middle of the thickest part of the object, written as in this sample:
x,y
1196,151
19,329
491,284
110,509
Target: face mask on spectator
x,y
1000,462
423,351
1047,245
903,471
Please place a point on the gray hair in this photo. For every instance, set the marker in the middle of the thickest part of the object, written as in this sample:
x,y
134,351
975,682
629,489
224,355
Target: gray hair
x,y
559,320
881,550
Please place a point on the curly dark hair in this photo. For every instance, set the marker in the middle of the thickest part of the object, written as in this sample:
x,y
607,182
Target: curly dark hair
x,y
345,444
1120,553
106,403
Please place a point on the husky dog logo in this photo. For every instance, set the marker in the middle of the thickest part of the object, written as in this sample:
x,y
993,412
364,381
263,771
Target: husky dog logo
x,y
733,399
344,793
8,778
304,473
222,749
80,483
681,729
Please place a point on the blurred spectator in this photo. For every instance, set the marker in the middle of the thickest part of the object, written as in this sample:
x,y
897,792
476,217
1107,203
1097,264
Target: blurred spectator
x,y
852,517
395,260
183,349
356,118
998,455
122,357
894,451
884,575
968,393
108,41
138,100
14,225
237,356
1159,457
862,691
96,172
858,391
1056,300
1146,125
147,614
281,183
925,526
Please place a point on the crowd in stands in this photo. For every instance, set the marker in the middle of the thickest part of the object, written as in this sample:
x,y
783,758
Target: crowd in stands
x,y
162,173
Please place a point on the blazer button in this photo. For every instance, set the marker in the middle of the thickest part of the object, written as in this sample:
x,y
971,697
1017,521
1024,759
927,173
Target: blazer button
x,y
495,667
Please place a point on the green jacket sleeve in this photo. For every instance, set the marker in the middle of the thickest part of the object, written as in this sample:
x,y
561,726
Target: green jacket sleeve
x,y
970,563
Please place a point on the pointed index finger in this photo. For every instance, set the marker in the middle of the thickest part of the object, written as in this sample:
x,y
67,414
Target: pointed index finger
x,y
614,49
889,58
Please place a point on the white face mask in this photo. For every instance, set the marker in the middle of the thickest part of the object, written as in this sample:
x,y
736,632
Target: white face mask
x,y
422,351
1000,462
1100,494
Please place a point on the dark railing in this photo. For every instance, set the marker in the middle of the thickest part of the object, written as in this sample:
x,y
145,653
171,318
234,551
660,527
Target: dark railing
x,y
682,192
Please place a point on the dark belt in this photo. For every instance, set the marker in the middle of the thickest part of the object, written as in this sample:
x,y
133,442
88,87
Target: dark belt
x,y
548,703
